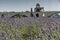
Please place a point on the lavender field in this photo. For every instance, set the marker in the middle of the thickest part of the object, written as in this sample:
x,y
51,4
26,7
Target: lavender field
x,y
11,28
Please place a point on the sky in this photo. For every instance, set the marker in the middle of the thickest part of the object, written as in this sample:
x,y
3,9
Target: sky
x,y
26,5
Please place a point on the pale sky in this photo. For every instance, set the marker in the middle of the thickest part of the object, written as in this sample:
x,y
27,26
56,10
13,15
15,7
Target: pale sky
x,y
23,5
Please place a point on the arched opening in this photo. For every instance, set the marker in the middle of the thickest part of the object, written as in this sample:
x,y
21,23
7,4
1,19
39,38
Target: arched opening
x,y
37,15
2,15
24,16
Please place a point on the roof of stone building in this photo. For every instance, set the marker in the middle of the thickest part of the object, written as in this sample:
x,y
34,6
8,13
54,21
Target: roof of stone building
x,y
37,4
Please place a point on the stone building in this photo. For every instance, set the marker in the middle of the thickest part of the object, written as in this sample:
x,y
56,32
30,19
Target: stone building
x,y
38,12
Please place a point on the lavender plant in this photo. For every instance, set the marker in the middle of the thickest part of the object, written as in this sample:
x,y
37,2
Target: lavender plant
x,y
38,28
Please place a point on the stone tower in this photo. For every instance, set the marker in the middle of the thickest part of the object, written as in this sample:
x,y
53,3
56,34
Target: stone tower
x,y
38,11
31,12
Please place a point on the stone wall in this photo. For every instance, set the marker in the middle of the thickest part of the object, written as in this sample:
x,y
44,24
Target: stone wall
x,y
28,14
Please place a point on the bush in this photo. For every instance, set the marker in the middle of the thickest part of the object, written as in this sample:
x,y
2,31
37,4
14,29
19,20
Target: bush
x,y
29,32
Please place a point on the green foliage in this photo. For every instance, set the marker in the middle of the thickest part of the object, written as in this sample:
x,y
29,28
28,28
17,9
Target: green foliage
x,y
17,16
29,32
